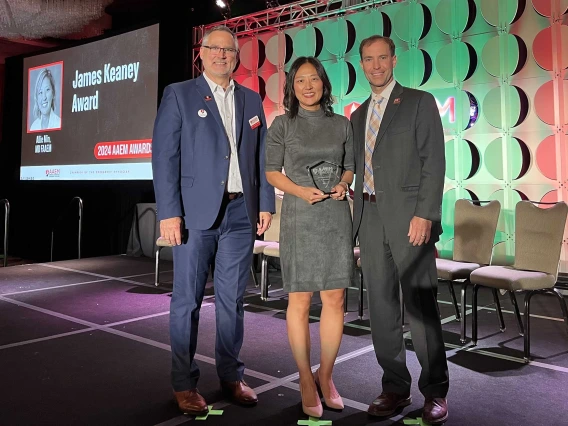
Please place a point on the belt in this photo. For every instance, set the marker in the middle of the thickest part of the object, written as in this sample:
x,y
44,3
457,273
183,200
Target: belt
x,y
233,195
369,197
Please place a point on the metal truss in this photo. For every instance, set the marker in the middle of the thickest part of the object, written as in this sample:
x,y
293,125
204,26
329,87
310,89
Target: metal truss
x,y
278,18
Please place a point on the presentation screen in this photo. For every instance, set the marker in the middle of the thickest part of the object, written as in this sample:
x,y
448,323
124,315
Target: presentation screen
x,y
89,110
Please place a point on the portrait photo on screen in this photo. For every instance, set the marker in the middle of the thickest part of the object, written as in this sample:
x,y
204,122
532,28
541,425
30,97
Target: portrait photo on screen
x,y
45,97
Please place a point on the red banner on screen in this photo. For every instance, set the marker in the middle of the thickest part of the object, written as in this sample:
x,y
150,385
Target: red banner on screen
x,y
141,148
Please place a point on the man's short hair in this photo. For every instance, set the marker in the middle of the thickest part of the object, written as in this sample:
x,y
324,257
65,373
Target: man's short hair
x,y
220,28
374,38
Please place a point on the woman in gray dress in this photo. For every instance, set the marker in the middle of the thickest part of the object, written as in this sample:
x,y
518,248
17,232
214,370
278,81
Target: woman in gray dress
x,y
315,148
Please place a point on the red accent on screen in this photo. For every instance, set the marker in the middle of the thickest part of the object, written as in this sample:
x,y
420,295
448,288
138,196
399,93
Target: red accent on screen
x,y
141,148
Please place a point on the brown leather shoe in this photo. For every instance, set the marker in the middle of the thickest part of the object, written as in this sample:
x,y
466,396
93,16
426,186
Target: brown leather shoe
x,y
435,411
191,402
239,392
387,403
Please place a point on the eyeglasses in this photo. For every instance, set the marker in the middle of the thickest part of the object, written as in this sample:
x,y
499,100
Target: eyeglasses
x,y
217,50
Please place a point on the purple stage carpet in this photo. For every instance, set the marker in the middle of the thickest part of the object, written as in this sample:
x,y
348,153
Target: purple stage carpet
x,y
86,342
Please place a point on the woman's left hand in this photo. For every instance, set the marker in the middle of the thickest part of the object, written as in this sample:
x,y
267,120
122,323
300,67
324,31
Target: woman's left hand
x,y
339,191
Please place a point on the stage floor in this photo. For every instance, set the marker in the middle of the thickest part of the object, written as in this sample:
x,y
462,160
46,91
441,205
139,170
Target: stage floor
x,y
86,342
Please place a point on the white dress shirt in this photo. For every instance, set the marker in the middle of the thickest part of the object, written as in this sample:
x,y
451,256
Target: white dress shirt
x,y
225,100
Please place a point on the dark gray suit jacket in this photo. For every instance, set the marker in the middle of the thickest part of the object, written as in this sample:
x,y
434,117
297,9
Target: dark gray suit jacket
x,y
408,163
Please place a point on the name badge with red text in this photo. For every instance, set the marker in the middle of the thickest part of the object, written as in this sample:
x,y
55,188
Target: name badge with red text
x,y
254,122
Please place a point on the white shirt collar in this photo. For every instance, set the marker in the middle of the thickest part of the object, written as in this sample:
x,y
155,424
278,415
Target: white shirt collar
x,y
215,87
385,93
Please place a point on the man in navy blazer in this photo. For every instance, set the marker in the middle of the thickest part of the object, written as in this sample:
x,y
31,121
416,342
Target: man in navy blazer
x,y
212,195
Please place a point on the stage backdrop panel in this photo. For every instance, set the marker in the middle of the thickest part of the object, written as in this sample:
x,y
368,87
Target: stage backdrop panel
x,y
498,70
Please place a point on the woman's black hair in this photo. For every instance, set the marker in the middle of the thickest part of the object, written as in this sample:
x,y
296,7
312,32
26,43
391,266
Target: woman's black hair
x,y
291,103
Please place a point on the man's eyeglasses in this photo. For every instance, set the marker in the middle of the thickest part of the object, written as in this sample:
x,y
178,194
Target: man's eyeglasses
x,y
217,50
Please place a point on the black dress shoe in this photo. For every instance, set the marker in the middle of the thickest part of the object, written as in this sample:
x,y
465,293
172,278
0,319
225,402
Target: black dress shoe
x,y
435,411
387,403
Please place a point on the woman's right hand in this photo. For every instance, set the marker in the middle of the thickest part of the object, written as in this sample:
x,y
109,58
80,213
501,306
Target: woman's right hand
x,y
312,195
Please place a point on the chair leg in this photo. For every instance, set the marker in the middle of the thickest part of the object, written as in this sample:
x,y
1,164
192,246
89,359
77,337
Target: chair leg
x,y
253,273
454,300
361,294
401,307
474,319
562,301
264,278
345,300
268,285
517,313
499,311
528,326
157,270
463,310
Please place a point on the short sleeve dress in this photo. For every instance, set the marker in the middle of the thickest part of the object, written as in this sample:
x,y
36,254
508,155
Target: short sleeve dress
x,y
316,244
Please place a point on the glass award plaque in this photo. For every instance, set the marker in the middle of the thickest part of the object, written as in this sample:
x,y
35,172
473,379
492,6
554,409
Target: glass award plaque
x,y
325,175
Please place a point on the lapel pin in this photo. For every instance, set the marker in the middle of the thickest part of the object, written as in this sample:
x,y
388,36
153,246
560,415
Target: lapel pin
x,y
397,101
202,113
207,98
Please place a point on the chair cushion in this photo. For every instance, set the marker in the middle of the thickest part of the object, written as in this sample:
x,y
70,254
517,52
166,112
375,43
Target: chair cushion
x,y
451,270
259,246
272,250
509,278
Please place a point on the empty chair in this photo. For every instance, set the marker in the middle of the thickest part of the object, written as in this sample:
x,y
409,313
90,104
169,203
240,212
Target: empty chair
x,y
474,232
538,243
270,249
357,261
258,249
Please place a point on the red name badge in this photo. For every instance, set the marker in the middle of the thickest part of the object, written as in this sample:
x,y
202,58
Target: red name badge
x,y
254,122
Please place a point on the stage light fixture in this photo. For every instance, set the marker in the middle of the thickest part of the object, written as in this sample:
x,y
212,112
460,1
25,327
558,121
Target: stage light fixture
x,y
272,4
225,6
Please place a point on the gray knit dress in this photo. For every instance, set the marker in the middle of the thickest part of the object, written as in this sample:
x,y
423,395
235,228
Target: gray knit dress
x,y
316,244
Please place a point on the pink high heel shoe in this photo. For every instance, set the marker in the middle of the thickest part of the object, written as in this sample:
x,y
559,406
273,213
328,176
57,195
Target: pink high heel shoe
x,y
335,402
316,411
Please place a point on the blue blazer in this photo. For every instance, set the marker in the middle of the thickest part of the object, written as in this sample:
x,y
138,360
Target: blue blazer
x,y
191,151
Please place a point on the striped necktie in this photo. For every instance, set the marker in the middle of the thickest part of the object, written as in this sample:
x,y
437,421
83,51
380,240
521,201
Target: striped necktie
x,y
370,140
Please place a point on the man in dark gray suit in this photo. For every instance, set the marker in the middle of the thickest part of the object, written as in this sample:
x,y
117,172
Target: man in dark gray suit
x,y
400,166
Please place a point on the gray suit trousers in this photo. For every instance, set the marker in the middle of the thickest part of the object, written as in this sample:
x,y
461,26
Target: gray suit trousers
x,y
387,267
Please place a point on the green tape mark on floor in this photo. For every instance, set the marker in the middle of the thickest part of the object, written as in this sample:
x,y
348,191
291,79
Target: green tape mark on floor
x,y
314,421
211,412
417,421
